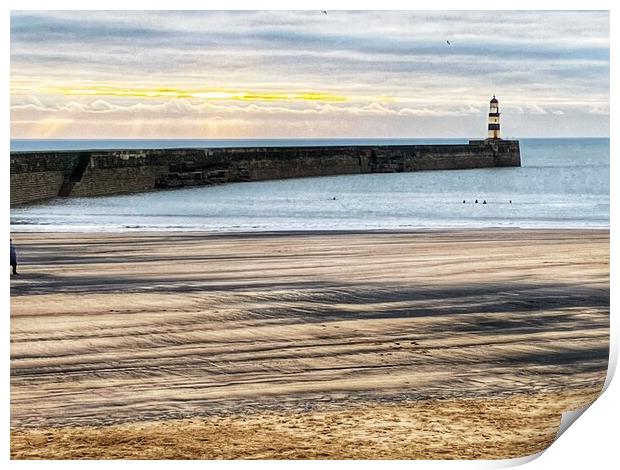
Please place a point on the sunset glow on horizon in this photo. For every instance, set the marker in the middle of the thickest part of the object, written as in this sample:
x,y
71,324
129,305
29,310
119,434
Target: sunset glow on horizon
x,y
178,93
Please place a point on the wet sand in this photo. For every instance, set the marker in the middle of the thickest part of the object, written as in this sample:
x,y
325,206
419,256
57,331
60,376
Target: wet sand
x,y
324,345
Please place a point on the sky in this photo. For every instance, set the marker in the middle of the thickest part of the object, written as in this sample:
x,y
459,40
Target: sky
x,y
280,74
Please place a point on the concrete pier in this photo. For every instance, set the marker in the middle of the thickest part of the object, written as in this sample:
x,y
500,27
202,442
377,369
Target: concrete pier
x,y
42,175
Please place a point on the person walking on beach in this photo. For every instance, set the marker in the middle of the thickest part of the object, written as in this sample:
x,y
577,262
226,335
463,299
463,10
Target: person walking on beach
x,y
13,258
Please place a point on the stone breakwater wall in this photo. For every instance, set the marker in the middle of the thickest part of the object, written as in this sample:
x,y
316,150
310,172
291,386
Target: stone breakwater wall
x,y
42,175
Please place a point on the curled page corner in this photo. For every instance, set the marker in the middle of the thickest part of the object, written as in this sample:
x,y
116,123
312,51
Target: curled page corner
x,y
568,418
518,461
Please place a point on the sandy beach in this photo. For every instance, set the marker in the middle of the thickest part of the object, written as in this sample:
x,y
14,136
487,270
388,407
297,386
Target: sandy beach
x,y
430,344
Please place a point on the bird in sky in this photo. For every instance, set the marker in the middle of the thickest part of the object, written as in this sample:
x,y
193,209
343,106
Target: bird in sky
x,y
448,43
324,12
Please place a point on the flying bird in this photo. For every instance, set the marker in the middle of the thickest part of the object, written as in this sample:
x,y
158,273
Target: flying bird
x,y
448,43
324,12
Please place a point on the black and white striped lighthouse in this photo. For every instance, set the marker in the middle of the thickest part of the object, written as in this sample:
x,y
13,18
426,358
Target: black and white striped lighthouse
x,y
494,119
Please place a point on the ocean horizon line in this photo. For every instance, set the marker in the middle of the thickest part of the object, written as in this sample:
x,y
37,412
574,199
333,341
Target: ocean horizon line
x,y
86,144
297,138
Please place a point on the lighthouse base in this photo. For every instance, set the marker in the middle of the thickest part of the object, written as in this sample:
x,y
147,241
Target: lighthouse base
x,y
505,152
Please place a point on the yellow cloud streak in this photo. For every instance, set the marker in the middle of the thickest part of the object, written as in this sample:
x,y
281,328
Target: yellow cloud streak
x,y
208,94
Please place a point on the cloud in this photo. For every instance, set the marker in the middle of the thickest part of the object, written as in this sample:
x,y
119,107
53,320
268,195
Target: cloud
x,y
187,108
31,103
538,62
602,110
46,27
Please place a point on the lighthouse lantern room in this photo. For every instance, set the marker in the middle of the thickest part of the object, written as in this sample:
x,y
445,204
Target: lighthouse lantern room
x,y
494,119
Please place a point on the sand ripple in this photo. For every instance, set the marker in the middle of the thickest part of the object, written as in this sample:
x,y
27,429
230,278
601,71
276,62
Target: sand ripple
x,y
107,329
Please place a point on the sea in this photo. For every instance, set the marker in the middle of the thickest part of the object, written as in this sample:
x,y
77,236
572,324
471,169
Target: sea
x,y
562,183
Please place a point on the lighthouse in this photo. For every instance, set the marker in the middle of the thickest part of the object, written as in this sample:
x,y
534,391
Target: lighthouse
x,y
494,119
